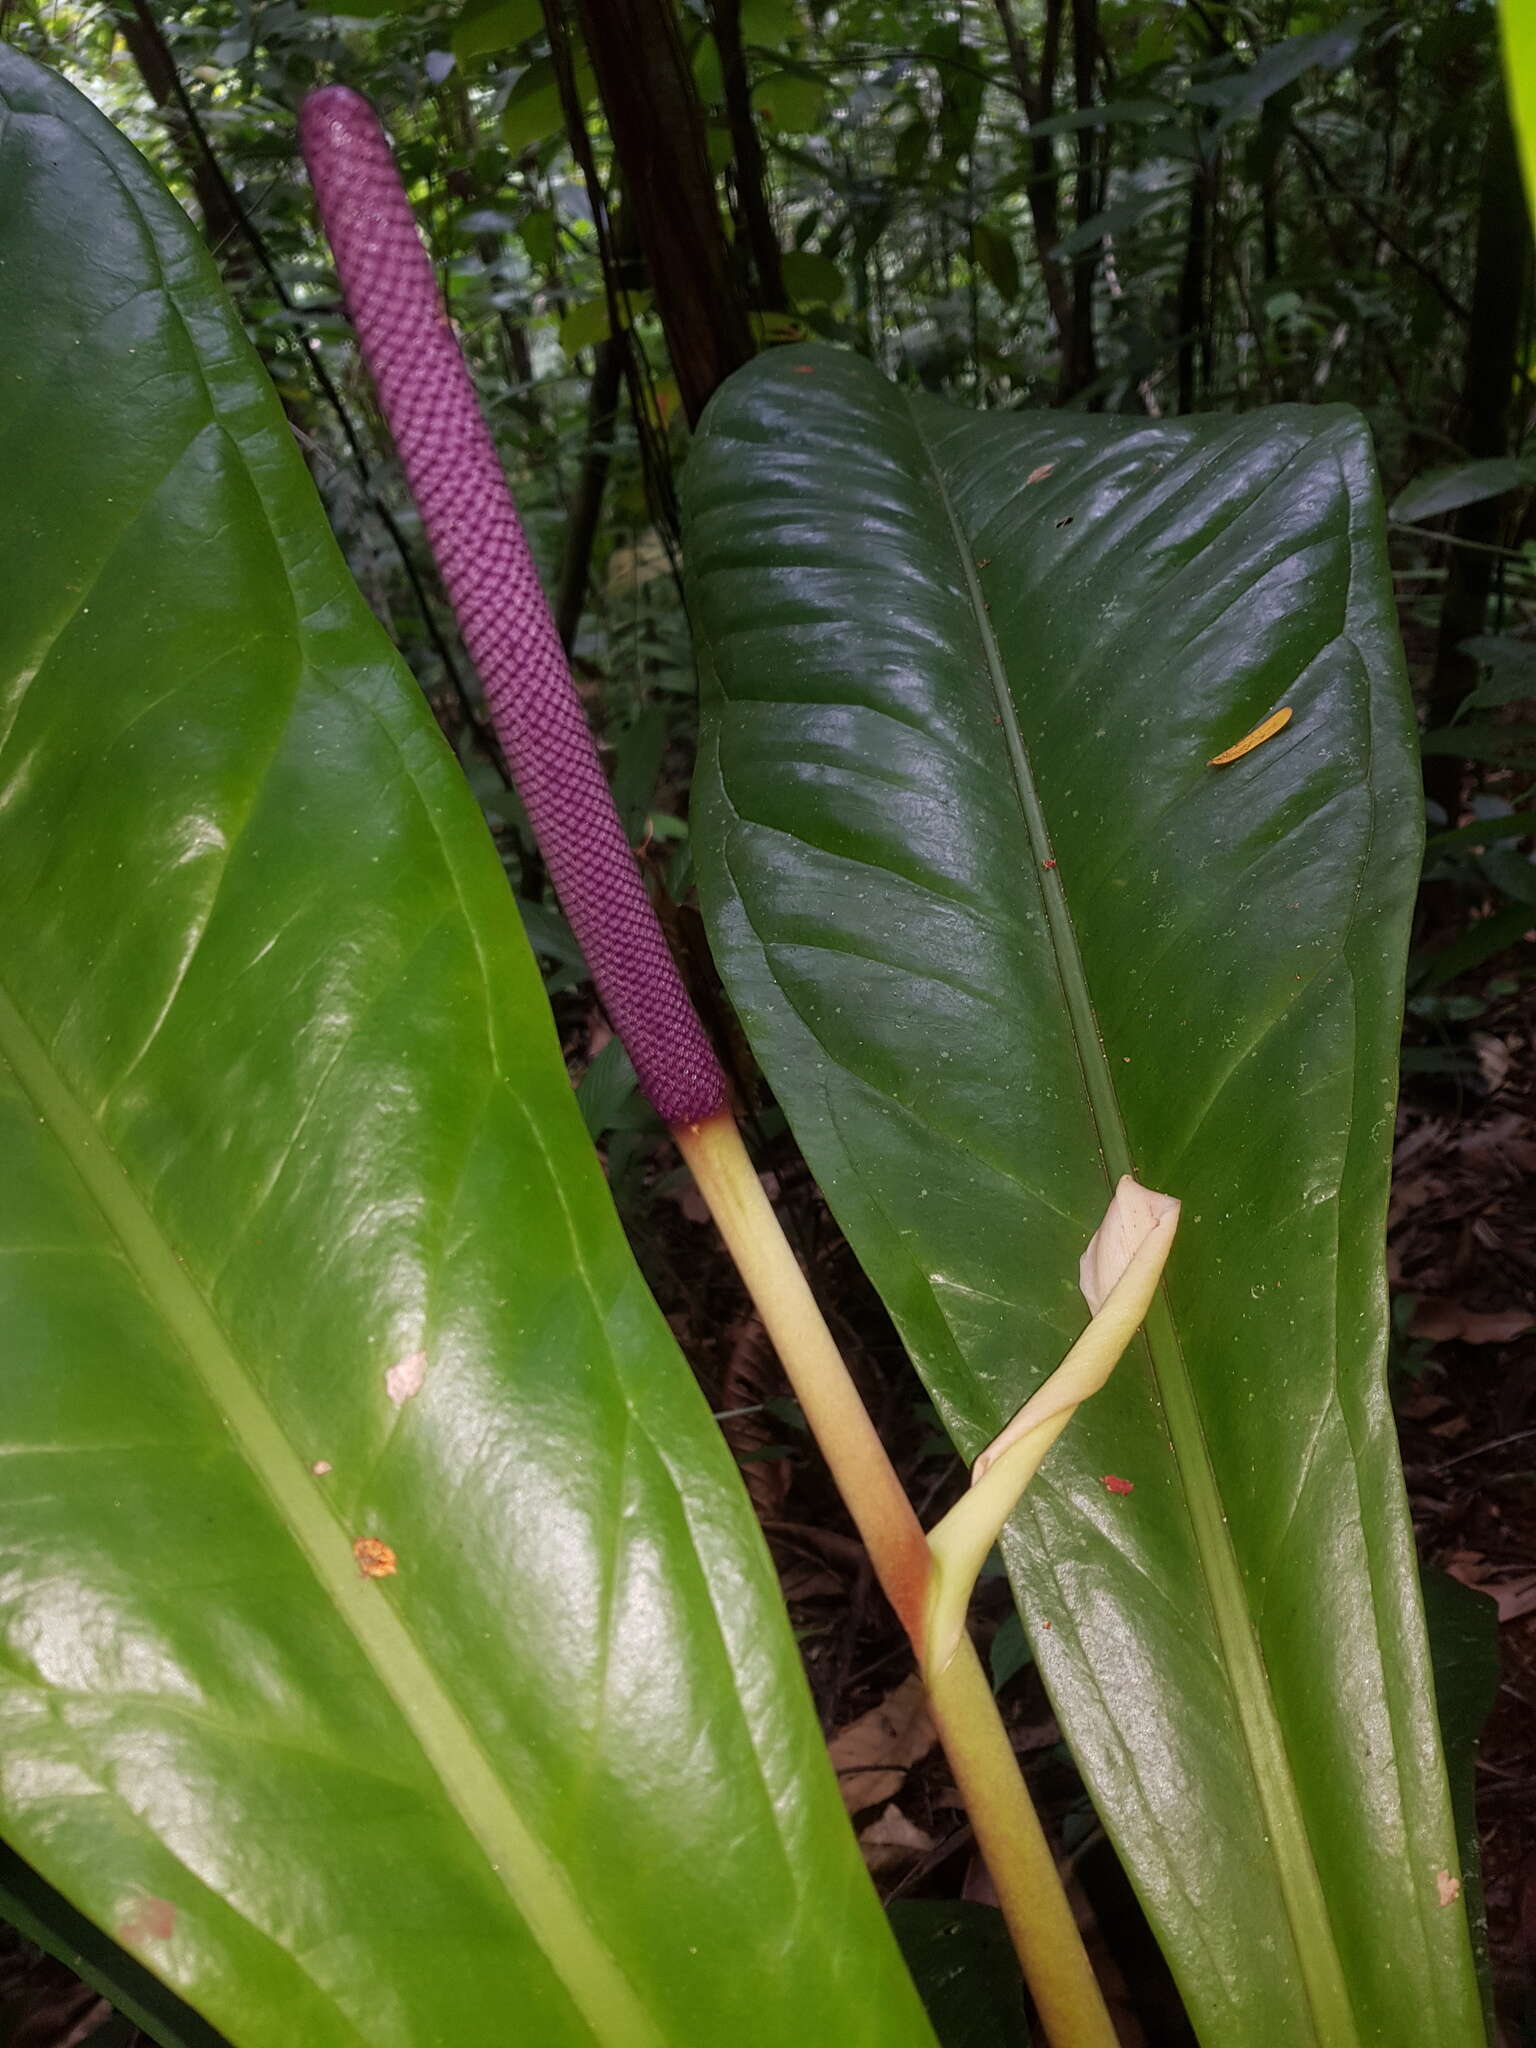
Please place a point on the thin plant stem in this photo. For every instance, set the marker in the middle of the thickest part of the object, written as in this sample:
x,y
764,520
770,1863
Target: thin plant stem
x,y
1018,1857
1007,1828
833,1407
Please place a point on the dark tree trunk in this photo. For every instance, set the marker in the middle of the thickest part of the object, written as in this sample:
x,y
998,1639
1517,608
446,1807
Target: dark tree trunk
x,y
657,127
1082,363
618,252
597,456
1191,315
222,225
1493,340
1038,96
747,152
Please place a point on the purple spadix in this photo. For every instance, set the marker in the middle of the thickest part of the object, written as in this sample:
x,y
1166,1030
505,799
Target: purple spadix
x,y
451,464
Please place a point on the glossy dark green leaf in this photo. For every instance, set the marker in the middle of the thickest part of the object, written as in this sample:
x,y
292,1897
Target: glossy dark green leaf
x,y
1474,742
1468,483
1479,942
1009,1652
1241,92
1485,831
302,1244
999,933
1463,1629
1464,1643
963,1964
1106,115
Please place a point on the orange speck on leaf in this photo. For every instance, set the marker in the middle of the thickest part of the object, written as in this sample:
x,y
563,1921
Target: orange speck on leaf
x,y
375,1560
1038,476
1447,1888
1265,730
1112,1483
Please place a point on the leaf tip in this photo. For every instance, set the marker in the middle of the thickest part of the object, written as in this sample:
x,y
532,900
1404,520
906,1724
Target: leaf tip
x,y
1134,1214
1264,730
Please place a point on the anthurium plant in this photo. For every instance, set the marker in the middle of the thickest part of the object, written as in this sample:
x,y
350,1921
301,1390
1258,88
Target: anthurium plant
x,y
388,1647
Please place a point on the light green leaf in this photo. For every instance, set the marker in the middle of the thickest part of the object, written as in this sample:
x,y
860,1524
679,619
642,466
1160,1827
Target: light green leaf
x,y
539,234
790,101
284,1111
46,1919
588,322
1108,114
998,258
999,934
1517,39
584,324
811,279
708,77
532,113
485,27
769,24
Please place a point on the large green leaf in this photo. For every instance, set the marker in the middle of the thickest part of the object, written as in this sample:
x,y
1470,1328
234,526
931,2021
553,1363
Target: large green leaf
x,y
963,1963
283,1110
999,933
36,1910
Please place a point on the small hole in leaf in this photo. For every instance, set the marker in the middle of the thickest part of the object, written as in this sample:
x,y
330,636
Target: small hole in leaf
x,y
1065,522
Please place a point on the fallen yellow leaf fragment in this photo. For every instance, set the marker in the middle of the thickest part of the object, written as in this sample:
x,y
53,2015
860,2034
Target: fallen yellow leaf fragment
x,y
1277,721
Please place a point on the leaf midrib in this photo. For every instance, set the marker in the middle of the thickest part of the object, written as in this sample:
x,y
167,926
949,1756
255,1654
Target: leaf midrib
x,y
1311,1929
537,1888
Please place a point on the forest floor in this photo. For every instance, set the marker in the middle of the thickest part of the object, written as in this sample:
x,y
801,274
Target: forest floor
x,y
1462,1250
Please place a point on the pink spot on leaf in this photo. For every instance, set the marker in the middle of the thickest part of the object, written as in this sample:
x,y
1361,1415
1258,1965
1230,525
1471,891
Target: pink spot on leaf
x,y
148,1919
